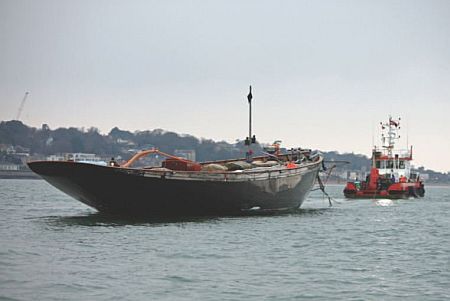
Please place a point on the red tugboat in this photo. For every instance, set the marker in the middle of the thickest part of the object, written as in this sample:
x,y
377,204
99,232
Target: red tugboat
x,y
390,176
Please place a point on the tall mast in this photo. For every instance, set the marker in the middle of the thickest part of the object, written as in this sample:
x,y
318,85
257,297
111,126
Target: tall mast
x,y
249,97
391,136
250,139
392,127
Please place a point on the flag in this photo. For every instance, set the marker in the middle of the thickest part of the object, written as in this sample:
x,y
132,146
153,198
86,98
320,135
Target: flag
x,y
250,96
394,123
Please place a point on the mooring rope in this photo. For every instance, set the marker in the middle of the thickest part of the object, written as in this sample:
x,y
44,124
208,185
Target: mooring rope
x,y
322,187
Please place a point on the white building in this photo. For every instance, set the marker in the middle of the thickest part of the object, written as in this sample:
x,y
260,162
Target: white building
x,y
9,167
188,154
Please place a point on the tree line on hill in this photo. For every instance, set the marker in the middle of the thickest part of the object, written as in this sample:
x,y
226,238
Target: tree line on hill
x,y
45,141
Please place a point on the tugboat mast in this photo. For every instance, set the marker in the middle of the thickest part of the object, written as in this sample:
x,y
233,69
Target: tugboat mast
x,y
393,126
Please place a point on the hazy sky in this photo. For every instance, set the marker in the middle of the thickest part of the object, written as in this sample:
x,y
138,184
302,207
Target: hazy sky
x,y
324,73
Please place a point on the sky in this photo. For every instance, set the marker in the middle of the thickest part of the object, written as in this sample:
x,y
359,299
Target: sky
x,y
324,73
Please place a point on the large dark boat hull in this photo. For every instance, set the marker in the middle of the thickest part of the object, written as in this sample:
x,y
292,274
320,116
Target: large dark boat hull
x,y
139,192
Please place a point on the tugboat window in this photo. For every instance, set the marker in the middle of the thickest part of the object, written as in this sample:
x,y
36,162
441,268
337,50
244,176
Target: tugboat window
x,y
390,164
402,165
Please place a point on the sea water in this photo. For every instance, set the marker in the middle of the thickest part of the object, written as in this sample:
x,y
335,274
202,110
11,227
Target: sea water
x,y
55,248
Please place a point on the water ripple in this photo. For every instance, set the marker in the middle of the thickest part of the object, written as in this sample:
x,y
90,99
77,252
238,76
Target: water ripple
x,y
53,248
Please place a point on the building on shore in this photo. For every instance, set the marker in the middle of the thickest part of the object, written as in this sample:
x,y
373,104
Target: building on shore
x,y
188,154
10,167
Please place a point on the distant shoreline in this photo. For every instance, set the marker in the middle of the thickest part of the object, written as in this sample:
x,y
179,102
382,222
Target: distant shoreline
x,y
29,175
19,174
427,184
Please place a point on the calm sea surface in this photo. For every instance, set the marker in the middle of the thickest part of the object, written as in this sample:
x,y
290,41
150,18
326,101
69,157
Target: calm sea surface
x,y
54,248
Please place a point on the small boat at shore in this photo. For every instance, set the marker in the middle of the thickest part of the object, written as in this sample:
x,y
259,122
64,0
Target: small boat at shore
x,y
390,175
180,187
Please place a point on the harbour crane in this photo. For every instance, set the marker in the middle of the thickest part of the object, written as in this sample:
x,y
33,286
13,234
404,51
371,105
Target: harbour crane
x,y
19,112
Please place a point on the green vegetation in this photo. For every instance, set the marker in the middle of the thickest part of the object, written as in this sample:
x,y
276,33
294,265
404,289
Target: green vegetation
x,y
44,142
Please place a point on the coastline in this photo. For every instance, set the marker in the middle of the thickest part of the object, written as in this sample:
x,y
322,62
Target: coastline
x,y
19,174
427,184
29,175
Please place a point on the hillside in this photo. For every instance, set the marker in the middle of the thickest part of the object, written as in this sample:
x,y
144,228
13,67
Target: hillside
x,y
42,142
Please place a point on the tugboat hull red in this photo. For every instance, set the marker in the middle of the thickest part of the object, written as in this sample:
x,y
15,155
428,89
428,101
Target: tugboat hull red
x,y
396,191
121,190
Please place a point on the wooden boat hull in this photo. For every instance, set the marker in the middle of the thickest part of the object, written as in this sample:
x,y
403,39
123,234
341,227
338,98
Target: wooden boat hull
x,y
144,192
